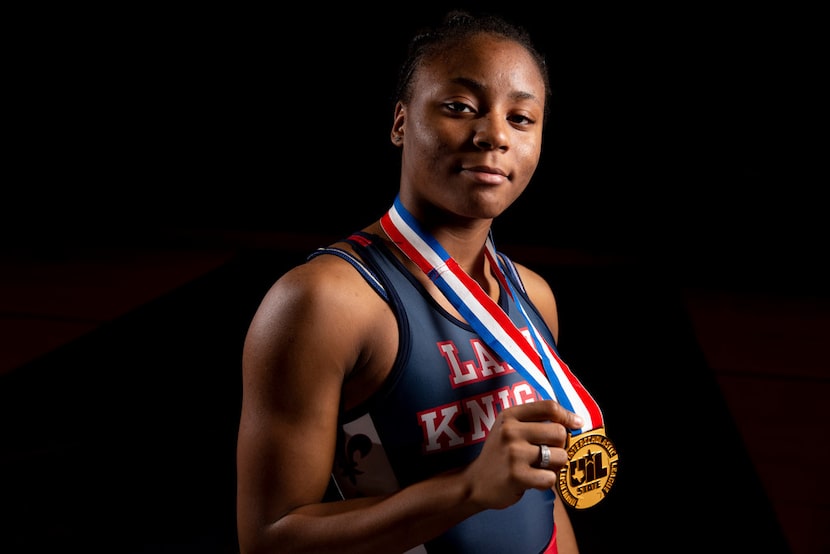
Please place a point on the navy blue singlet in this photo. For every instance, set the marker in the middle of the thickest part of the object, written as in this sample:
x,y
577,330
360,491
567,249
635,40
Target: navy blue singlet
x,y
436,407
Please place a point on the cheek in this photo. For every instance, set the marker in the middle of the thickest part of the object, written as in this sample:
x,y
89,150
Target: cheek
x,y
529,155
431,145
434,137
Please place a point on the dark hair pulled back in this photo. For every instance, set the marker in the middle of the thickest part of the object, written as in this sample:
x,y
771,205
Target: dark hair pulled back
x,y
455,27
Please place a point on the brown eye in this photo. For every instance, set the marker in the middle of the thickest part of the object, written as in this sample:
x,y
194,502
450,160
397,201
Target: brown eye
x,y
521,120
458,107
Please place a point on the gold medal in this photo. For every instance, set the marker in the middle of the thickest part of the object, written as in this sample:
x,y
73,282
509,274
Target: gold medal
x,y
591,469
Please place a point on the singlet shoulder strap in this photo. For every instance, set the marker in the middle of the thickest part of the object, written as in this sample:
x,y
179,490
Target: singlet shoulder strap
x,y
376,284
512,272
357,264
333,491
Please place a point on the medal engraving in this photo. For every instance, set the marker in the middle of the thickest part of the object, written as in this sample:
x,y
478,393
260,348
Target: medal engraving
x,y
591,470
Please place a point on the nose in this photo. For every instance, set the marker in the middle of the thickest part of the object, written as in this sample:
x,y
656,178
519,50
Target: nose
x,y
491,133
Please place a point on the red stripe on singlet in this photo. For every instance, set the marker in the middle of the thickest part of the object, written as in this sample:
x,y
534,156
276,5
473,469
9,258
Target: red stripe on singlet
x,y
551,549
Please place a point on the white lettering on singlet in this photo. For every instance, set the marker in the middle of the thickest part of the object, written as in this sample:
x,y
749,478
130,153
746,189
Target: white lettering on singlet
x,y
435,432
440,424
486,365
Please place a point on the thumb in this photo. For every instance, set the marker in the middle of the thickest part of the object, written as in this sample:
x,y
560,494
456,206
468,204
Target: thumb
x,y
575,421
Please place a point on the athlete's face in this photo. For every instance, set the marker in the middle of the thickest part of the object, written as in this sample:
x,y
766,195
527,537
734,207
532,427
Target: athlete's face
x,y
472,132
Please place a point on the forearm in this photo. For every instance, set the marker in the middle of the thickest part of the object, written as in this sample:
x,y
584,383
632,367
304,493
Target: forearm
x,y
565,538
388,524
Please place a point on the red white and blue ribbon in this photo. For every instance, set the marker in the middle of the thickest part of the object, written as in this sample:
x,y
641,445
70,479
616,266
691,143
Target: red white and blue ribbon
x,y
529,355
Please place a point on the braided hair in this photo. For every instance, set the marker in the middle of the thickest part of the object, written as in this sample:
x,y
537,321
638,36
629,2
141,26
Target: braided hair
x,y
456,27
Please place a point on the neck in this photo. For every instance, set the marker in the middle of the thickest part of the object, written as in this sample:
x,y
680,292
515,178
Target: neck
x,y
462,237
463,241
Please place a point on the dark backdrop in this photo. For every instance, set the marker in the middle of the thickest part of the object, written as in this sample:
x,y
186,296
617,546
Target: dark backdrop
x,y
687,132
685,135
124,440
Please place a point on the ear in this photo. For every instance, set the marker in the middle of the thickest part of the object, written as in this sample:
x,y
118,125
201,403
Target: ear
x,y
398,124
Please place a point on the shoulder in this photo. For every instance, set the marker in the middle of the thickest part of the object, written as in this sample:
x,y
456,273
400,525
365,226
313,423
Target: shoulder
x,y
321,287
320,327
322,301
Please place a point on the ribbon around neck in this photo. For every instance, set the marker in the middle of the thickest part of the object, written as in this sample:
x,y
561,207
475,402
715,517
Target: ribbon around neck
x,y
527,352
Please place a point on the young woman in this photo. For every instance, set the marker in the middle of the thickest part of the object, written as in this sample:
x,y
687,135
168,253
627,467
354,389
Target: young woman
x,y
377,415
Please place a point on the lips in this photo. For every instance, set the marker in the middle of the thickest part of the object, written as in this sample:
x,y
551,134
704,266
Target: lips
x,y
485,174
486,169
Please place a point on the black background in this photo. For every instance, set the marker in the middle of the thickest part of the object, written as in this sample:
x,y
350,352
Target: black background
x,y
687,136
687,132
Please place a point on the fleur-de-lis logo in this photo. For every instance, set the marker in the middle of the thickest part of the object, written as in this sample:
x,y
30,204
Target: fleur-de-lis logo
x,y
357,447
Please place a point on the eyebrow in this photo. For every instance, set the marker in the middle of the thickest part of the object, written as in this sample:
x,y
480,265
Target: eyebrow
x,y
478,86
